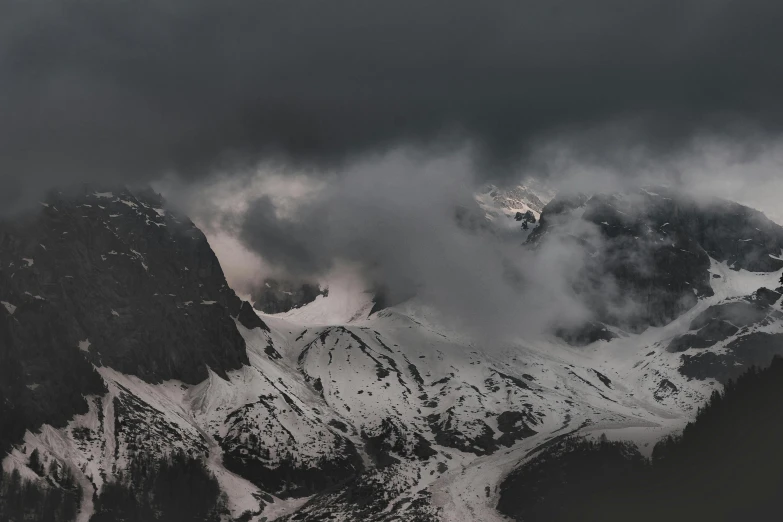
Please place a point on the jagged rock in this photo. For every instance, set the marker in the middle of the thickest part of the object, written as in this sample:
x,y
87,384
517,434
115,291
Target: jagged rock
x,y
766,297
665,389
585,334
480,440
110,261
286,477
275,297
111,278
754,349
647,252
43,378
513,426
249,318
532,194
391,439
527,217
719,322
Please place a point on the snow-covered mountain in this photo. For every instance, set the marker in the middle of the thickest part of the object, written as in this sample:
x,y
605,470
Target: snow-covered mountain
x,y
333,411
503,203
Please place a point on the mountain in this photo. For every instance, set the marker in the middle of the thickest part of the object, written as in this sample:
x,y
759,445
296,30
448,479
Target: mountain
x,y
275,297
651,254
503,203
122,343
113,280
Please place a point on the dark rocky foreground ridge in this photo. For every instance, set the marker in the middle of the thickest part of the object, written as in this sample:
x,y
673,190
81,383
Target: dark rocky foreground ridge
x,y
114,280
107,278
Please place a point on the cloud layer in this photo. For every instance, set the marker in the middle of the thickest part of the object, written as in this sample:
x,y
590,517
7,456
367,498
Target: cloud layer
x,y
128,91
409,224
366,109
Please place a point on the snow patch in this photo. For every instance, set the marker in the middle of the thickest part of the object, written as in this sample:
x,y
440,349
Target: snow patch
x,y
348,300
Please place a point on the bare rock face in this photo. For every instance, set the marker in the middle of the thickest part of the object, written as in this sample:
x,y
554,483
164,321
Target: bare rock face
x,y
647,253
526,218
740,326
111,263
43,378
532,195
585,333
114,279
275,297
719,322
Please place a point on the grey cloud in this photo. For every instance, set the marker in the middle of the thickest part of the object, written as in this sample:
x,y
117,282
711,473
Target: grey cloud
x,y
410,223
296,244
395,217
127,91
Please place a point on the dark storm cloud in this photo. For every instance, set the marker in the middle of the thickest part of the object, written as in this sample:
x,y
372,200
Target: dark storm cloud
x,y
128,90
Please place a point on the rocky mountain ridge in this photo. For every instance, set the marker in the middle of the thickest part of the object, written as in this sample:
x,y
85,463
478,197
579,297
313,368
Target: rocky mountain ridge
x,y
648,252
388,414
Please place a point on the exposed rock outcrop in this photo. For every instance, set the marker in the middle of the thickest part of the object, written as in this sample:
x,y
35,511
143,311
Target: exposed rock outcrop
x,y
107,278
275,297
647,252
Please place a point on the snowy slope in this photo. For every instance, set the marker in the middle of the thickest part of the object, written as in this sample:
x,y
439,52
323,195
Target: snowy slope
x,y
435,419
343,415
439,384
531,196
502,205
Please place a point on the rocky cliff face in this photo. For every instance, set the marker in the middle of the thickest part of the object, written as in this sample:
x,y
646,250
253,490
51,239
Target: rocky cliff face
x,y
531,196
138,286
108,279
275,297
647,252
727,338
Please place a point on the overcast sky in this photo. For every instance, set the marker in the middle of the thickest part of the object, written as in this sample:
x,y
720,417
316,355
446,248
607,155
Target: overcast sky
x,y
118,90
358,106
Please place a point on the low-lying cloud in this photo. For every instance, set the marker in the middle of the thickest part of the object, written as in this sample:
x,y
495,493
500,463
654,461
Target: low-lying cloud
x,y
408,222
395,220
